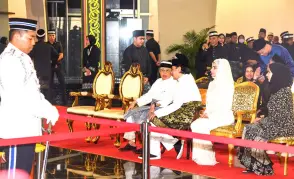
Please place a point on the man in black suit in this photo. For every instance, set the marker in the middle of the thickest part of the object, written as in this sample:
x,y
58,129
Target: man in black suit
x,y
42,54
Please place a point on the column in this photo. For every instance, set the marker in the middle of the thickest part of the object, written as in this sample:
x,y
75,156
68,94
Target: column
x,y
94,23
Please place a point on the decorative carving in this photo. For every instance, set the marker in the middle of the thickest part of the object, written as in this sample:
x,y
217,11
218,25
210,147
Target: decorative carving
x,y
94,20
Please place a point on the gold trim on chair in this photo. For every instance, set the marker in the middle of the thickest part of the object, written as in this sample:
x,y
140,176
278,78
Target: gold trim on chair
x,y
102,100
134,72
118,114
202,80
244,108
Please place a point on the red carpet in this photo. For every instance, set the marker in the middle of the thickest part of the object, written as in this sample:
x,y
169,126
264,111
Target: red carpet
x,y
105,147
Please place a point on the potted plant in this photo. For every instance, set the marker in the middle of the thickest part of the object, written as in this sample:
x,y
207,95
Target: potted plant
x,y
191,45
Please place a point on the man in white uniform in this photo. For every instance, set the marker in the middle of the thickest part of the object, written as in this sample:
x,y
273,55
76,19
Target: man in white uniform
x,y
161,92
22,104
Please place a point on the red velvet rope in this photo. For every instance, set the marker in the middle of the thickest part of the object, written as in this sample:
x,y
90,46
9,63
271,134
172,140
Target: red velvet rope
x,y
126,127
64,136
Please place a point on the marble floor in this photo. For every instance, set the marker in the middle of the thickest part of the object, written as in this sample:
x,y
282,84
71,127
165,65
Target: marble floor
x,y
65,164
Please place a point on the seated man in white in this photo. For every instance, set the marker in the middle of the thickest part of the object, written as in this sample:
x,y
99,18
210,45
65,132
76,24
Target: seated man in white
x,y
219,99
179,114
161,92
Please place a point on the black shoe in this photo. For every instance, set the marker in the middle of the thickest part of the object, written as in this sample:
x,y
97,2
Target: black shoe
x,y
247,171
139,151
128,147
152,157
179,147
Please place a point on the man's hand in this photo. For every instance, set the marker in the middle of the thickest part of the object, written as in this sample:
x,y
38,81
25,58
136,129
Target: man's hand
x,y
145,80
151,114
132,105
205,46
158,63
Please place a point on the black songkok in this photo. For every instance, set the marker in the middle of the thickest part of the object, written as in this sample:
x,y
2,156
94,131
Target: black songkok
x,y
41,33
259,44
166,64
138,33
262,30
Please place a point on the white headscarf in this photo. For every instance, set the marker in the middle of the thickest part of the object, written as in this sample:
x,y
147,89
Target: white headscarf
x,y
224,73
221,89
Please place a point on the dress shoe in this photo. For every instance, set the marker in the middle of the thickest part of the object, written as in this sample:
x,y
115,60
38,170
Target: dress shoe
x,y
128,147
152,157
139,151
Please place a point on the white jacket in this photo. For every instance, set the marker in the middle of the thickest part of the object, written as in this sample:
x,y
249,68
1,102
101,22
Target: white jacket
x,y
22,104
186,91
161,90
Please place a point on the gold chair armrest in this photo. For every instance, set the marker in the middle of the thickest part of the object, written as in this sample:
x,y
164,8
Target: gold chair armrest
x,y
239,117
112,96
106,96
77,94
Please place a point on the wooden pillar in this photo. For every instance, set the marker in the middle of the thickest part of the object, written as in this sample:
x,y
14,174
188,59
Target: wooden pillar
x,y
94,23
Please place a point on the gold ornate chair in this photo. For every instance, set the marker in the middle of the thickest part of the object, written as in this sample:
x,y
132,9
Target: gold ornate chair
x,y
130,88
244,108
289,141
103,87
202,80
239,80
203,96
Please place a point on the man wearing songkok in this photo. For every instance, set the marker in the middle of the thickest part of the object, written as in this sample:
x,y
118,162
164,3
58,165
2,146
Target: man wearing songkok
x,y
249,42
214,50
161,92
228,38
56,65
41,55
180,113
282,37
154,52
23,105
270,37
262,33
236,55
289,44
138,53
267,51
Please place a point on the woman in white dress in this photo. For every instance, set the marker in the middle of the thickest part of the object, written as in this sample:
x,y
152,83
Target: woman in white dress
x,y
218,111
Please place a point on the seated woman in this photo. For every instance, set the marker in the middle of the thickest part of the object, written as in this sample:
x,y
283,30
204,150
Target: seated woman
x,y
278,123
252,74
219,99
248,74
179,114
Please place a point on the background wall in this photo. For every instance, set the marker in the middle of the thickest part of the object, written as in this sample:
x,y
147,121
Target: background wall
x,y
18,7
176,17
170,19
4,18
248,16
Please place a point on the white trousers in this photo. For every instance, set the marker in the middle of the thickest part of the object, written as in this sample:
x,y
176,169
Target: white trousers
x,y
168,142
155,140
